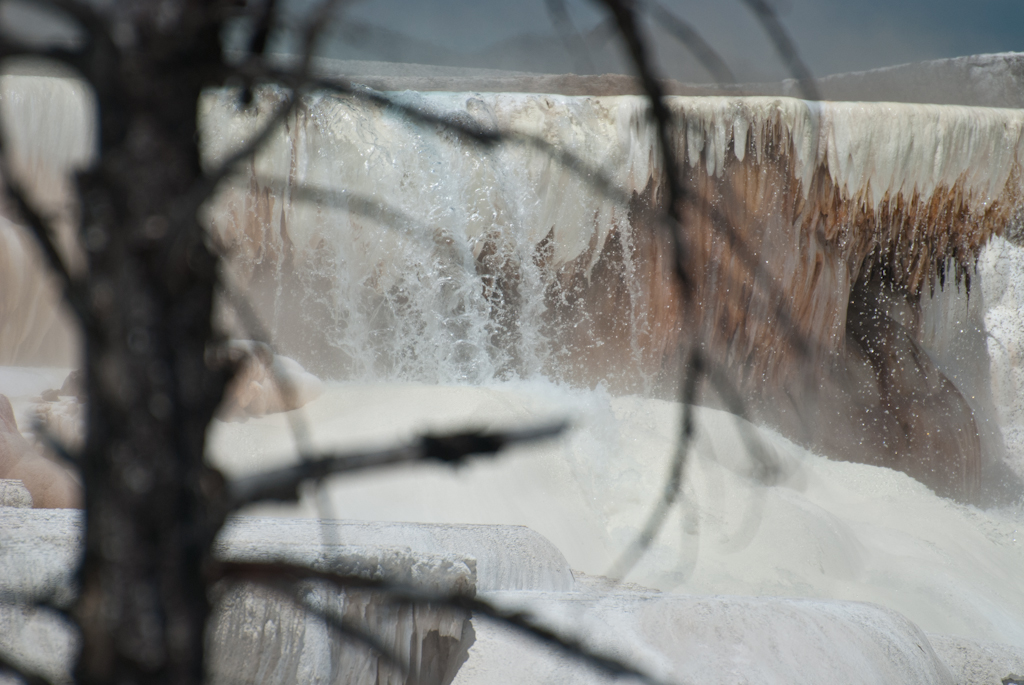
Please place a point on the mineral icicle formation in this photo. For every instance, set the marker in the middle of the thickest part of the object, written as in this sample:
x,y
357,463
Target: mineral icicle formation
x,y
268,636
258,633
815,235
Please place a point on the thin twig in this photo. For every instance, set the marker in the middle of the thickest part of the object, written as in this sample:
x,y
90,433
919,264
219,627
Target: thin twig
x,y
691,39
357,204
785,47
775,294
258,333
345,628
227,166
10,47
570,36
42,433
636,43
767,468
315,28
350,630
263,23
674,482
72,290
453,449
519,620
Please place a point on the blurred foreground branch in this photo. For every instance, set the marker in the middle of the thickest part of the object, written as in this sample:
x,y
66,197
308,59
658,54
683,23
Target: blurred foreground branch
x,y
278,572
453,449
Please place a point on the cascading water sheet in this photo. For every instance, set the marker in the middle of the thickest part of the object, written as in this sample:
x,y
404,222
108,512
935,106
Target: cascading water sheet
x,y
511,288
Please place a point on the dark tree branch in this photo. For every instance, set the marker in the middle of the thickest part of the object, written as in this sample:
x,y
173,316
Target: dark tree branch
x,y
636,43
316,27
570,36
50,442
694,370
337,624
768,468
453,449
227,166
595,177
354,203
72,290
519,620
261,71
359,205
283,484
263,23
89,19
686,34
351,631
785,47
97,60
721,224
257,332
625,17
10,47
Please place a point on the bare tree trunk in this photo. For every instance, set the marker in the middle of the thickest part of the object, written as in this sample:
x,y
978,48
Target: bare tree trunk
x,y
148,297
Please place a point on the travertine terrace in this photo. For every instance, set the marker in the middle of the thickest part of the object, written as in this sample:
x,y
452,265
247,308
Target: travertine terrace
x,y
815,234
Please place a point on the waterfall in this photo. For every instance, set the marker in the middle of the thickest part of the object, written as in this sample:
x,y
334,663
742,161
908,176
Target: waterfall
x,y
820,187
820,241
509,263
435,282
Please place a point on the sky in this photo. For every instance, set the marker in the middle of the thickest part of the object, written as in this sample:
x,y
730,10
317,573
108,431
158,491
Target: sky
x,y
833,36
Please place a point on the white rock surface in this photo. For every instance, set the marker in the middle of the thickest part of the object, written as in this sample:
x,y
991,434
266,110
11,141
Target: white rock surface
x,y
979,663
39,548
822,530
37,640
507,557
257,635
261,637
991,80
712,640
1002,268
13,493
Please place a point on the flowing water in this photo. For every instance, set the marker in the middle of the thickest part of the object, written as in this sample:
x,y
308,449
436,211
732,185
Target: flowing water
x,y
436,285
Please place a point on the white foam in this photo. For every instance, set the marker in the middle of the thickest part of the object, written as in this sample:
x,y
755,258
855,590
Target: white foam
x,y
825,530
